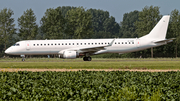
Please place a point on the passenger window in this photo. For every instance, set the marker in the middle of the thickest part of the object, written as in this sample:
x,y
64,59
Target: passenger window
x,y
34,44
58,43
108,42
88,43
77,43
99,43
105,43
69,43
84,43
41,44
129,42
37,44
81,43
55,43
44,44
73,43
122,42
115,42
48,44
95,43
65,43
125,42
51,44
62,44
92,43
132,42
102,43
118,42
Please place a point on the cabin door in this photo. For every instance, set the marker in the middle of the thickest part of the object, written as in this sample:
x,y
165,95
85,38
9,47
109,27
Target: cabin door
x,y
138,42
28,45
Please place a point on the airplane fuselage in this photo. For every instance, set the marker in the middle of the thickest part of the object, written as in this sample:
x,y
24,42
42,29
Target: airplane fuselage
x,y
46,47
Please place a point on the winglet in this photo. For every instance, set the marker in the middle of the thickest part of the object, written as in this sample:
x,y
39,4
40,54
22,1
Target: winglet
x,y
111,42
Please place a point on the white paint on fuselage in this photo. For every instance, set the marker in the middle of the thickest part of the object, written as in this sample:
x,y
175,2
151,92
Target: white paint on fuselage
x,y
42,47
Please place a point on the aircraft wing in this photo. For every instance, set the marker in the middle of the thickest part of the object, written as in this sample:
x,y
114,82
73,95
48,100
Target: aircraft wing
x,y
92,49
166,40
95,49
88,49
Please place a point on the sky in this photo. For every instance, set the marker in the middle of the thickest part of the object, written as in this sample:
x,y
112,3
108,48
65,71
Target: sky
x,y
116,8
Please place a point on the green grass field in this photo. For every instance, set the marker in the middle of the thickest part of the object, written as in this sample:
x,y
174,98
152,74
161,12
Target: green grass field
x,y
96,63
90,85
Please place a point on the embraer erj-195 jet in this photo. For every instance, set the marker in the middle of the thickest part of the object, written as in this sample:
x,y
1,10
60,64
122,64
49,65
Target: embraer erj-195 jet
x,y
73,48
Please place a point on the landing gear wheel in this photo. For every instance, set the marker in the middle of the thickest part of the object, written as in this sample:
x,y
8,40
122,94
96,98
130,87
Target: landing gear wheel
x,y
84,58
87,58
23,59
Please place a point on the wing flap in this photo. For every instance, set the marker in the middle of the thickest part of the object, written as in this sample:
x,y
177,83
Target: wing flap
x,y
92,49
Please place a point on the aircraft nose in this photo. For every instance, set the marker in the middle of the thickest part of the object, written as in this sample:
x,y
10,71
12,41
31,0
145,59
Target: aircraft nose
x,y
8,51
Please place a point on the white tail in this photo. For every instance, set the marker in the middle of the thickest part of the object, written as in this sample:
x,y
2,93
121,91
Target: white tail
x,y
159,31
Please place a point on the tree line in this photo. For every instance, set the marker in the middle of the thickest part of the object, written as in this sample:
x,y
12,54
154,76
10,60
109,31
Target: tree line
x,y
68,22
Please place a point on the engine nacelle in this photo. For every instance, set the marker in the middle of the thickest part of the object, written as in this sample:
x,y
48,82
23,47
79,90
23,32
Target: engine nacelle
x,y
70,54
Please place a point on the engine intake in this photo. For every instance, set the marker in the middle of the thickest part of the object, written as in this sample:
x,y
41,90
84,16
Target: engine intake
x,y
70,54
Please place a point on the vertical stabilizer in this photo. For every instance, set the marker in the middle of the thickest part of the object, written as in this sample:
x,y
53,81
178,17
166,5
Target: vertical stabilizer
x,y
159,31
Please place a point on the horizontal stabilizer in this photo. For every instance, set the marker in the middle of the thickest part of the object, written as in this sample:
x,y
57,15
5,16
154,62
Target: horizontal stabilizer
x,y
166,40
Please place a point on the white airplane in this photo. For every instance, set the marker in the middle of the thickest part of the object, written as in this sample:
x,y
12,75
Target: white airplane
x,y
73,48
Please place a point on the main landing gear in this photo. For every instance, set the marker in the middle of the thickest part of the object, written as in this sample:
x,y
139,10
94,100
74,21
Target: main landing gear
x,y
23,57
87,58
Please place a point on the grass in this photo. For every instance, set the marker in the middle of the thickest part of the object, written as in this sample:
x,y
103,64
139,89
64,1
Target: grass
x,y
96,63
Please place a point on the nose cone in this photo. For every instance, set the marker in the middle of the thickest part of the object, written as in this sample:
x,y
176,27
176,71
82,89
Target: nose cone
x,y
8,51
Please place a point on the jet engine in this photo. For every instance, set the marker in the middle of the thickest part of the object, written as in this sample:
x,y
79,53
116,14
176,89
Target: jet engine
x,y
70,54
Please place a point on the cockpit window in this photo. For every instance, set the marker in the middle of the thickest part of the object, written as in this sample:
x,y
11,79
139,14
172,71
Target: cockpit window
x,y
17,44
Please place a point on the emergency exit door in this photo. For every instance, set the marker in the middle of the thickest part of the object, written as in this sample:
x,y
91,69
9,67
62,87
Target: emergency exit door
x,y
28,45
138,43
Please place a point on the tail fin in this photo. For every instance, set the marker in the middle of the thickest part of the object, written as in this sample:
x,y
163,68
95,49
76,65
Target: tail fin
x,y
159,31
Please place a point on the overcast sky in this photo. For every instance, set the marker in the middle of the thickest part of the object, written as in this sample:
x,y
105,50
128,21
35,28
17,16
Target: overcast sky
x,y
116,8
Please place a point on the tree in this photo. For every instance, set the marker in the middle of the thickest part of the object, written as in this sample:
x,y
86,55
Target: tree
x,y
102,22
79,23
148,18
6,26
102,34
65,9
98,18
111,26
175,28
53,24
28,27
128,24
